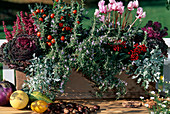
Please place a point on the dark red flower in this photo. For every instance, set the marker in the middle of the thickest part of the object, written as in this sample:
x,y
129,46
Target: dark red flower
x,y
143,48
134,56
116,48
157,25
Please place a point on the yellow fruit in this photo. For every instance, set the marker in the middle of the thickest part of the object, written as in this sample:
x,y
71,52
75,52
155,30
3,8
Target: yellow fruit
x,y
161,78
19,99
39,106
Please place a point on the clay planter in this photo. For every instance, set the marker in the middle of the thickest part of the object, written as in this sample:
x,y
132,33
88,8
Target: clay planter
x,y
78,87
20,77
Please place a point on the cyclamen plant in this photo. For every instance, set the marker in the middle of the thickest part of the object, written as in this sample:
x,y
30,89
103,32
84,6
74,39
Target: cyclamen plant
x,y
114,47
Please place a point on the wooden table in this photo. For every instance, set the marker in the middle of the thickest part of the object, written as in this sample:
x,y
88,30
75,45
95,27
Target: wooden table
x,y
107,107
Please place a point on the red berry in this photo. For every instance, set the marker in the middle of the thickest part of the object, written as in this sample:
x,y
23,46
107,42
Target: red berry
x,y
69,15
52,15
75,11
57,0
61,17
44,15
63,29
67,28
34,13
62,38
71,29
38,34
42,11
78,22
38,11
53,41
49,43
41,19
61,24
49,37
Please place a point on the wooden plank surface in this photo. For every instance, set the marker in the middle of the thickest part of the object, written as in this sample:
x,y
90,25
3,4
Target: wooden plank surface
x,y
107,107
10,110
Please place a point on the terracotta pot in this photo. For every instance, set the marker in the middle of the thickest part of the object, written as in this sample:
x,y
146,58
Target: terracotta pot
x,y
78,87
20,77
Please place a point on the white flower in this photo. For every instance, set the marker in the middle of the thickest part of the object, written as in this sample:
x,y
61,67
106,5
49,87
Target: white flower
x,y
166,91
152,113
159,104
163,106
152,98
152,92
146,105
57,80
32,10
141,97
159,90
164,101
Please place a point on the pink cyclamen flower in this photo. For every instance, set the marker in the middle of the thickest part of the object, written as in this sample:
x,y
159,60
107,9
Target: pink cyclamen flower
x,y
101,3
121,10
112,1
110,7
140,13
135,4
130,6
102,18
114,6
118,6
96,13
103,9
139,10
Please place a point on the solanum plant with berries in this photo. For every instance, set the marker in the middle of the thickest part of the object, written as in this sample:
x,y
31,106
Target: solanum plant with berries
x,y
59,32
115,46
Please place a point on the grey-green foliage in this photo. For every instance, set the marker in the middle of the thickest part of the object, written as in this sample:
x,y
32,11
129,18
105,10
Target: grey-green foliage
x,y
149,69
47,76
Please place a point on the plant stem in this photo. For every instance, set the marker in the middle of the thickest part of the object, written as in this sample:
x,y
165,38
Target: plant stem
x,y
132,24
126,19
120,20
116,20
113,19
109,17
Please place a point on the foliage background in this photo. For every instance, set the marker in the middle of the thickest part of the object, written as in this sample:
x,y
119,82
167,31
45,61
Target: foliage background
x,y
155,9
